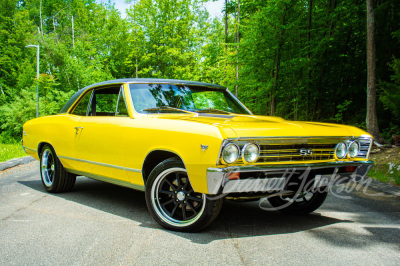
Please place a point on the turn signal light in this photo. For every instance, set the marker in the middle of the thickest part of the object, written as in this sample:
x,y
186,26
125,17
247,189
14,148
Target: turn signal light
x,y
351,168
234,176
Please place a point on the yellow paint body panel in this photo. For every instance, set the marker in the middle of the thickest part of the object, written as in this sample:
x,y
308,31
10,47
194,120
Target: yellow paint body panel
x,y
125,142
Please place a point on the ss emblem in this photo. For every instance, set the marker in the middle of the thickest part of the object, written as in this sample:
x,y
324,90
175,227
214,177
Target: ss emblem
x,y
305,152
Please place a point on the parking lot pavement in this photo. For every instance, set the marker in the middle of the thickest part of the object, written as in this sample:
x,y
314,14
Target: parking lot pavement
x,y
100,223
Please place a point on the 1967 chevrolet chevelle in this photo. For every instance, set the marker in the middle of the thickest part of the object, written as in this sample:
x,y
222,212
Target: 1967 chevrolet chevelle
x,y
188,145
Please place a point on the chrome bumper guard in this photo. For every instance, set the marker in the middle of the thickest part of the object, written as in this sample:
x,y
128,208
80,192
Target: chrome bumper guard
x,y
218,181
23,147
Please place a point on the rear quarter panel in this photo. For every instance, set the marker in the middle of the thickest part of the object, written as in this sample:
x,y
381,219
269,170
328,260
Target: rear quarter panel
x,y
56,130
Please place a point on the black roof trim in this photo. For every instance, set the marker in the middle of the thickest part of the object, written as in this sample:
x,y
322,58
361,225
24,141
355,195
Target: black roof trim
x,y
134,80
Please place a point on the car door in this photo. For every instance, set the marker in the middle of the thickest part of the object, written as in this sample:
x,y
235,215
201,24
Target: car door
x,y
67,132
99,140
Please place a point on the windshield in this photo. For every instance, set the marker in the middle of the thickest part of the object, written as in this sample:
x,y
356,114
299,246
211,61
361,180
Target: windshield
x,y
170,98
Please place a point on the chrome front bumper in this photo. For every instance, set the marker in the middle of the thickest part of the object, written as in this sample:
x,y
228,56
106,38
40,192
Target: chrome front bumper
x,y
324,174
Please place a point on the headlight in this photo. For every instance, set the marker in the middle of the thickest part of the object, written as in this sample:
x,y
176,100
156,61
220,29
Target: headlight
x,y
230,153
354,149
341,150
250,153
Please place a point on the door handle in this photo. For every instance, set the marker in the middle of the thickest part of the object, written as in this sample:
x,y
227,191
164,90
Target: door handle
x,y
77,129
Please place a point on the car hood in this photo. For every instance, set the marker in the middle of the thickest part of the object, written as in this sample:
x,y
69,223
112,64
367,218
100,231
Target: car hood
x,y
264,126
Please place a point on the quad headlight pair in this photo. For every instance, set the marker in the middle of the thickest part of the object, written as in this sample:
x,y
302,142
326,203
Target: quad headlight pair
x,y
343,149
250,153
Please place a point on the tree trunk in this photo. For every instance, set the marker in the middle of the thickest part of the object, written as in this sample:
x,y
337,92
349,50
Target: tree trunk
x,y
371,120
277,66
73,33
310,4
41,21
226,36
237,49
136,49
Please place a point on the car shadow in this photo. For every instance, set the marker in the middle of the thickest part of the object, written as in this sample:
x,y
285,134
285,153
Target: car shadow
x,y
236,220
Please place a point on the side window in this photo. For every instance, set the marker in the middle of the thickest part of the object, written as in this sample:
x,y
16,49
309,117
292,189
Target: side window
x,y
105,102
82,106
121,109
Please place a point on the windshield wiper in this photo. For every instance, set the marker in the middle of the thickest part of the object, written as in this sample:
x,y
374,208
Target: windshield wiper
x,y
161,108
212,110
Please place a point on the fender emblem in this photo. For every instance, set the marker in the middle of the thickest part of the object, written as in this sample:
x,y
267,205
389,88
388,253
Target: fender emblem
x,y
204,147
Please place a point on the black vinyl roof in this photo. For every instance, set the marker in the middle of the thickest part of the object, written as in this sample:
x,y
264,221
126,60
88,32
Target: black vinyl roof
x,y
134,80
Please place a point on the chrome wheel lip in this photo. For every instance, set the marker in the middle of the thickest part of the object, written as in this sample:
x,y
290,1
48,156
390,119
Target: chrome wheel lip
x,y
47,167
156,204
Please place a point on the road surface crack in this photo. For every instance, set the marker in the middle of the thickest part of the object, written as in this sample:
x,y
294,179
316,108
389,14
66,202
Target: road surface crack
x,y
22,208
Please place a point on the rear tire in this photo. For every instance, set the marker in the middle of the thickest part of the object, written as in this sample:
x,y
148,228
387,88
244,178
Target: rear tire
x,y
54,177
172,201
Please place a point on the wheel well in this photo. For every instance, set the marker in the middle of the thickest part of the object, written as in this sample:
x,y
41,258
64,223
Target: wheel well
x,y
153,159
40,147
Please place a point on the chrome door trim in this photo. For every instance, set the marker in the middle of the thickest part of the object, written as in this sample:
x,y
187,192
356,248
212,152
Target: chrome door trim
x,y
107,179
102,164
27,148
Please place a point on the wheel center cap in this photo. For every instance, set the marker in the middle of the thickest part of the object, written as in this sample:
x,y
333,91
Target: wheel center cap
x,y
180,195
52,167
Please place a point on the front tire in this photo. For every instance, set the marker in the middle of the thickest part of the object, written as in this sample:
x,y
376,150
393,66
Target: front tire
x,y
301,203
54,177
172,201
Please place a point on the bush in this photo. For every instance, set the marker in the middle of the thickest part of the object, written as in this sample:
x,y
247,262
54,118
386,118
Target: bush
x,y
22,107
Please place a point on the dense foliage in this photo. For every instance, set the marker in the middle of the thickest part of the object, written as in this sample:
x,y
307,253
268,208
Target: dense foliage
x,y
299,59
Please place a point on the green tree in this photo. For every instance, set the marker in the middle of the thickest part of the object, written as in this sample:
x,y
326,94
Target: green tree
x,y
170,35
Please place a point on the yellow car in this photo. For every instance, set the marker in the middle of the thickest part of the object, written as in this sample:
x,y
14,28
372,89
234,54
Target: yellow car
x,y
188,145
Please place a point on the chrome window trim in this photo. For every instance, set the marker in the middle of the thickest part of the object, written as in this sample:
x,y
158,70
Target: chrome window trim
x,y
122,92
176,83
241,104
221,89
119,96
89,104
102,164
75,104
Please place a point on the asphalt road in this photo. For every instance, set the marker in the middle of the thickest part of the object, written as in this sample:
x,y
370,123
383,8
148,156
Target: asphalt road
x,y
100,223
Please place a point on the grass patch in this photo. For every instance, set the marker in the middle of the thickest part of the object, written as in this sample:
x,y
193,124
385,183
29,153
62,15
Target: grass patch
x,y
386,174
387,166
11,151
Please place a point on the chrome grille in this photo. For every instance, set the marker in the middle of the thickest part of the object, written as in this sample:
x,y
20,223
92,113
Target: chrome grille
x,y
364,148
292,152
291,149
